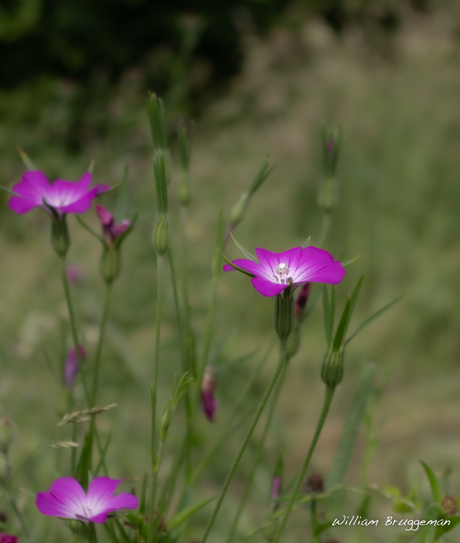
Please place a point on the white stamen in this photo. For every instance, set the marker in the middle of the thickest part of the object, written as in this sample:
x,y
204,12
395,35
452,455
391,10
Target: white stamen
x,y
282,273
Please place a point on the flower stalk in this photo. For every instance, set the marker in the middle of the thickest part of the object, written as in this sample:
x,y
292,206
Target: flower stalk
x,y
300,477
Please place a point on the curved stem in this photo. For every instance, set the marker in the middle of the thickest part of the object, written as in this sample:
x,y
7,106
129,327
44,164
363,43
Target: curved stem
x,y
73,327
327,403
258,455
160,264
271,384
100,342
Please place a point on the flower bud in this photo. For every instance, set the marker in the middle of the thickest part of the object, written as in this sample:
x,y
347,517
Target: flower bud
x,y
332,369
301,301
328,194
184,193
208,401
239,209
449,505
60,237
71,366
283,318
161,235
109,267
314,484
8,433
6,538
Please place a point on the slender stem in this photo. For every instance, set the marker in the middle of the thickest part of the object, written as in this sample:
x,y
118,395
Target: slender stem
x,y
258,455
160,266
97,362
279,367
73,327
226,428
327,403
314,521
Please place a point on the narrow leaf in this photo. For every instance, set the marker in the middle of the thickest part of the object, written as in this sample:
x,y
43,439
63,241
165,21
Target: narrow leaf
x,y
63,445
350,433
216,262
306,243
236,267
341,328
260,177
247,254
27,162
326,313
434,483
354,300
184,515
352,261
372,318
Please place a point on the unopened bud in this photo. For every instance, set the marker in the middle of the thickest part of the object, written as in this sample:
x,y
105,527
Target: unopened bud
x,y
60,237
208,400
8,433
314,484
332,369
301,301
328,194
449,505
71,366
283,318
109,267
239,209
161,235
275,491
184,194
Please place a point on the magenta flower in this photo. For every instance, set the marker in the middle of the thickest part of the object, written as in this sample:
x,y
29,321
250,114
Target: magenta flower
x,y
71,365
75,273
67,499
208,401
62,196
276,271
112,232
5,538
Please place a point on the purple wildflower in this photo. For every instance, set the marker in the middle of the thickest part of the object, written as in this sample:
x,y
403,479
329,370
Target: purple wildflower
x,y
276,271
112,232
67,499
63,196
208,401
71,366
5,538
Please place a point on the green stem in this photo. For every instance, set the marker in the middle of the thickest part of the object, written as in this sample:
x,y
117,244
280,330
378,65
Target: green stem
x,y
279,367
300,477
224,434
314,521
73,327
258,455
160,265
97,362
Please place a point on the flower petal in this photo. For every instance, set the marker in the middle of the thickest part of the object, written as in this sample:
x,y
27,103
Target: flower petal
x,y
268,260
105,216
65,499
330,273
34,186
98,189
266,287
85,181
79,206
21,205
118,230
125,500
100,492
252,267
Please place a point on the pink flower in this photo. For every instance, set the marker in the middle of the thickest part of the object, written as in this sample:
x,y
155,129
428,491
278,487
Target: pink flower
x,y
208,401
5,538
276,271
67,499
71,366
112,232
62,196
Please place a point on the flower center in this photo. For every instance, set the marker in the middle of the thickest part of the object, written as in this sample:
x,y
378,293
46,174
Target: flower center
x,y
282,274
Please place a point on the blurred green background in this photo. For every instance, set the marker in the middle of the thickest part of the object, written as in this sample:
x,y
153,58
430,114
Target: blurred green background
x,y
259,77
